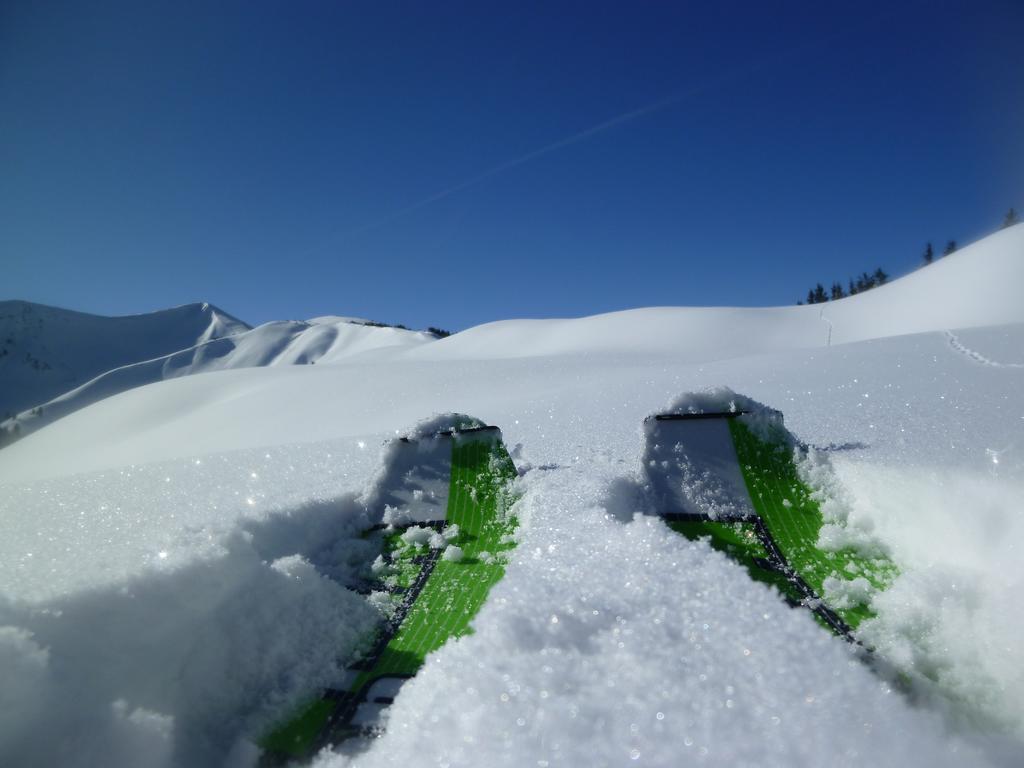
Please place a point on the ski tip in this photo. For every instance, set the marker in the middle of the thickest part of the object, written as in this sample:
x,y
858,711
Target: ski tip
x,y
455,431
696,416
450,432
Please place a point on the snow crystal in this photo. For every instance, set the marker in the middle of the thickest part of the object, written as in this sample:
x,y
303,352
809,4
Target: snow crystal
x,y
396,517
419,535
382,601
295,567
843,528
847,593
452,553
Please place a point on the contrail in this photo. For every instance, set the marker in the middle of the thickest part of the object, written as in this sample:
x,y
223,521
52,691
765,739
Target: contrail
x,y
608,124
625,117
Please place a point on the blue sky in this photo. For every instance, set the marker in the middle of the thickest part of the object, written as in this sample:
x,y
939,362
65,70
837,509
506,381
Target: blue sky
x,y
453,163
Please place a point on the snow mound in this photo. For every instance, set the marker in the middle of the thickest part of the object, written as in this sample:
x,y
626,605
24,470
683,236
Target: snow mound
x,y
177,666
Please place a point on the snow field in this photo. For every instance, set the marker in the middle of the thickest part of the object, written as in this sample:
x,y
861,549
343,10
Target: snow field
x,y
102,528
913,405
141,659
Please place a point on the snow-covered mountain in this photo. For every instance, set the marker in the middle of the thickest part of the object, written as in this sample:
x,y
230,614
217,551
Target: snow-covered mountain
x,y
46,351
163,596
51,347
57,354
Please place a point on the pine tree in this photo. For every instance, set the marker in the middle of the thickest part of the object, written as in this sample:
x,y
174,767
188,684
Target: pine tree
x,y
852,291
929,254
950,247
810,296
837,291
880,277
820,297
1011,218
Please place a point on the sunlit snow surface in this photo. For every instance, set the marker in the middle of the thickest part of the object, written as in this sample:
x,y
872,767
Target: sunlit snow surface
x,y
105,526
612,640
170,609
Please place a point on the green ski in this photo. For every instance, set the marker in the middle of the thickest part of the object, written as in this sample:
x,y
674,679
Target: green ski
x,y
715,477
446,529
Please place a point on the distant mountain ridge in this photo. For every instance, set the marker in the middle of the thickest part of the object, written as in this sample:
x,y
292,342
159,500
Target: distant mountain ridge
x,y
57,361
45,351
54,362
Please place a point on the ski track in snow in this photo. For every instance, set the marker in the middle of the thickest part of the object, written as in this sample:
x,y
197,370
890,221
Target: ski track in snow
x,y
828,322
963,349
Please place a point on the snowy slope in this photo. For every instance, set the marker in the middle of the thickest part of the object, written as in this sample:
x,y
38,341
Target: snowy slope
x,y
45,351
976,286
162,569
925,300
322,340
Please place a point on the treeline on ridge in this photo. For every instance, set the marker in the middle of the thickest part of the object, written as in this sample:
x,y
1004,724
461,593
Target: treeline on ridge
x,y
818,294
